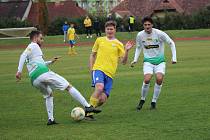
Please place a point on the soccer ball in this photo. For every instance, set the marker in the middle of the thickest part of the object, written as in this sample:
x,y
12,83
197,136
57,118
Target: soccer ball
x,y
78,114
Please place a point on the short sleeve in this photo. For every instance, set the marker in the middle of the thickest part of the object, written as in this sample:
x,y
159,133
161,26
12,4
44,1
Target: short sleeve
x,y
121,50
95,46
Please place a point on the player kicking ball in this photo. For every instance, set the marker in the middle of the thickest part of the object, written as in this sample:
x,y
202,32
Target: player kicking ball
x,y
152,41
106,53
44,79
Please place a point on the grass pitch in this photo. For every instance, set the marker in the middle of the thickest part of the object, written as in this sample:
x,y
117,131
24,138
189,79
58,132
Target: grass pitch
x,y
183,107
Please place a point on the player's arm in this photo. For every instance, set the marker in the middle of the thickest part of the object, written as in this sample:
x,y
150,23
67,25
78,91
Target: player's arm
x,y
92,60
171,43
52,60
93,55
22,59
138,50
76,35
128,46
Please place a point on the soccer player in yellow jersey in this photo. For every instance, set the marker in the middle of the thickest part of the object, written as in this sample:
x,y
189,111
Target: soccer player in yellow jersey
x,y
103,64
71,36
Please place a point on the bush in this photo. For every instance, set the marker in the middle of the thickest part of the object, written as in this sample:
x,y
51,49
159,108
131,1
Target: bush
x,y
13,23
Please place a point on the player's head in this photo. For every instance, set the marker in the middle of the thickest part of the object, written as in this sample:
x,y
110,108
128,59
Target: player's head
x,y
37,37
65,22
71,25
148,24
110,28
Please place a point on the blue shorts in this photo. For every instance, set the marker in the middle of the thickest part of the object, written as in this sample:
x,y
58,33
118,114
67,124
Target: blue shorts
x,y
72,42
100,77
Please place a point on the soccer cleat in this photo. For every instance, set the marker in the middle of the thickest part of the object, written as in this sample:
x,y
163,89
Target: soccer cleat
x,y
140,105
74,52
91,109
153,106
89,118
50,122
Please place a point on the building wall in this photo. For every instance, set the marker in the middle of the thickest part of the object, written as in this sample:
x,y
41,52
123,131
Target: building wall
x,y
98,6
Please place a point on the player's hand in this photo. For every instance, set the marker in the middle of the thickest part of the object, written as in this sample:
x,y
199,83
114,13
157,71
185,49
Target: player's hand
x,y
173,62
18,76
133,63
55,59
129,45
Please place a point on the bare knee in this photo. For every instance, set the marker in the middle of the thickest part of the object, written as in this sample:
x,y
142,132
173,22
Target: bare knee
x,y
159,79
146,81
102,99
99,88
147,78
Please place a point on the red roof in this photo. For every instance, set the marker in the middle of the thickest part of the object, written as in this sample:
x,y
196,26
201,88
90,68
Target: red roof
x,y
66,9
142,8
169,5
13,8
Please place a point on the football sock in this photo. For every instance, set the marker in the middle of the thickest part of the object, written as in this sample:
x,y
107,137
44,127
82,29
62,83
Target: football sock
x,y
73,50
94,101
157,90
70,50
144,91
77,96
49,107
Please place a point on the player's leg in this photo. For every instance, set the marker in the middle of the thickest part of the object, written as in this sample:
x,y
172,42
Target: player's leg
x,y
70,52
159,72
99,32
58,82
90,29
86,28
65,36
73,47
95,97
108,82
97,82
148,72
48,96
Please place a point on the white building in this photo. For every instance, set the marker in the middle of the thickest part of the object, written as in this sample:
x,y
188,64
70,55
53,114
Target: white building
x,y
98,6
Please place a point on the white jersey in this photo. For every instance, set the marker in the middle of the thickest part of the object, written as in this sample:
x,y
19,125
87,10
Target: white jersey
x,y
153,46
33,57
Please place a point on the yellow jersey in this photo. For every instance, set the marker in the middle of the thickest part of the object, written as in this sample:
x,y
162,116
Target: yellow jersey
x,y
131,20
87,22
108,54
71,33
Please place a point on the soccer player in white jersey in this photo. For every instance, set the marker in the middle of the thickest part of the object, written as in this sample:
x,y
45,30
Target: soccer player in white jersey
x,y
152,41
44,79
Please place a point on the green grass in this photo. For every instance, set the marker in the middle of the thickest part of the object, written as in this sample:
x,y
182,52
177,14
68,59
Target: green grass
x,y
183,107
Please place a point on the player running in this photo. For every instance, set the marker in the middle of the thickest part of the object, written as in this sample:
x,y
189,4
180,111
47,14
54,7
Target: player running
x,y
103,62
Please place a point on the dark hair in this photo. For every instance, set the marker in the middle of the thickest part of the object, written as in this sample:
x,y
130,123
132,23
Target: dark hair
x,y
33,34
111,23
147,18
